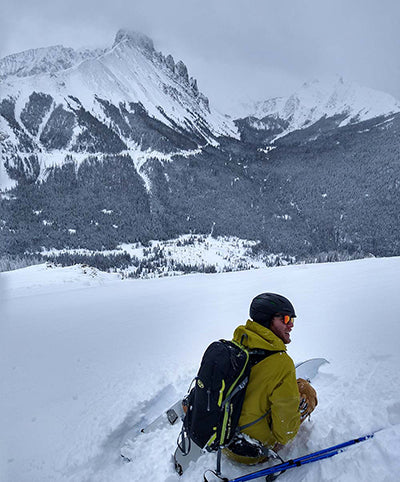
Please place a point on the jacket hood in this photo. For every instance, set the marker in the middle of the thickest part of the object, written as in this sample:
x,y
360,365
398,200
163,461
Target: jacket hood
x,y
255,335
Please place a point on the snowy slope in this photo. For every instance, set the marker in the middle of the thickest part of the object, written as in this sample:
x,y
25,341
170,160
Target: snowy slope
x,y
130,71
83,359
327,98
43,60
53,98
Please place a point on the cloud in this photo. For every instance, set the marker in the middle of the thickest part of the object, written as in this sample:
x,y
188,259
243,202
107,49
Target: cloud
x,y
259,48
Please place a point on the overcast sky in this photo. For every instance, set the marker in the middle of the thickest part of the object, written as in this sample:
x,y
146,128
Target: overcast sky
x,y
237,49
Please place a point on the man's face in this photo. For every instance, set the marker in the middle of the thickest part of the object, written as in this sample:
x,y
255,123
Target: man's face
x,y
281,329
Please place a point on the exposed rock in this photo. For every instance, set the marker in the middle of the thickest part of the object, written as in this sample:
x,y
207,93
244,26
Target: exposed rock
x,y
193,85
158,56
182,71
204,100
136,39
170,63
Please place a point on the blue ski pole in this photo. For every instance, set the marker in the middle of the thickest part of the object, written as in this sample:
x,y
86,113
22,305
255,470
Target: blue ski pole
x,y
305,459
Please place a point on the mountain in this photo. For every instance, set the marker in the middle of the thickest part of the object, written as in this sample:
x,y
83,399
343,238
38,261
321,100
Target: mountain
x,y
44,60
119,146
339,102
128,98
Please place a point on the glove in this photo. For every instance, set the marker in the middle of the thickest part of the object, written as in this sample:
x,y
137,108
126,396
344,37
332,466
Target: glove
x,y
308,398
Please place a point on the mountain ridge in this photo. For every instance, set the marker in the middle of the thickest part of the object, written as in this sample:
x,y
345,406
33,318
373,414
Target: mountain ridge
x,y
315,100
128,97
124,148
43,60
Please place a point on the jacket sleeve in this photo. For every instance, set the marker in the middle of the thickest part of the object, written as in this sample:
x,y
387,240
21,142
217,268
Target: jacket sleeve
x,y
284,399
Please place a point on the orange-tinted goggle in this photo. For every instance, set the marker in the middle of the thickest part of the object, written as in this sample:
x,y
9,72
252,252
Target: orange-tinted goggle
x,y
287,318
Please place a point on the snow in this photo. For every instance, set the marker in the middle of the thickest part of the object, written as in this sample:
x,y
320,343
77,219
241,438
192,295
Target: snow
x,y
47,59
195,251
125,73
328,97
84,356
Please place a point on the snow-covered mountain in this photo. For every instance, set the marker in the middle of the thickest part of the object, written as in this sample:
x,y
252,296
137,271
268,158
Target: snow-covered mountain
x,y
130,71
107,123
347,102
132,100
127,98
44,60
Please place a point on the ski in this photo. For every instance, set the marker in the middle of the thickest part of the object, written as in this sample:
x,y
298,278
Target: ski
x,y
175,414
171,416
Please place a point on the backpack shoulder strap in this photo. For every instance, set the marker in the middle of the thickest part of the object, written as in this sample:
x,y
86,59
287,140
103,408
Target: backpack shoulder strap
x,y
257,355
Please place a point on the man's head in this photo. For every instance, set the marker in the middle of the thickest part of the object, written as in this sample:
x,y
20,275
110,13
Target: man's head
x,y
274,312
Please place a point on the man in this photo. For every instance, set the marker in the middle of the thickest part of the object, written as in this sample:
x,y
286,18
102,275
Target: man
x,y
275,403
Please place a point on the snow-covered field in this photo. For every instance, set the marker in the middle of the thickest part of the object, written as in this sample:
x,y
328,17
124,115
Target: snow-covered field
x,y
190,252
85,356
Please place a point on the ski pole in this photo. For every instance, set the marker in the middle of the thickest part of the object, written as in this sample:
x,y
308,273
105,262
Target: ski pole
x,y
305,459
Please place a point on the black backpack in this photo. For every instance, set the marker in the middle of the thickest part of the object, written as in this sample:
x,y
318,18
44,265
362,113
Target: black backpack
x,y
214,404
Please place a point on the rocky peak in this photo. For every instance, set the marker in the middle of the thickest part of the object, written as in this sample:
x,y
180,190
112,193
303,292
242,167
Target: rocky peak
x,y
136,39
182,71
170,63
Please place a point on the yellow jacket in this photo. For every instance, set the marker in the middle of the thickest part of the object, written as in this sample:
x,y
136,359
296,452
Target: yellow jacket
x,y
272,387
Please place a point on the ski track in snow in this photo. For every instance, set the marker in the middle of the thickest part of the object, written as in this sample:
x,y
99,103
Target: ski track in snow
x,y
86,362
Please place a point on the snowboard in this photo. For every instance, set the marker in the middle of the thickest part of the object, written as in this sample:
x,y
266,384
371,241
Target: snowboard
x,y
175,414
